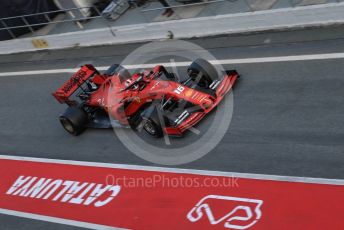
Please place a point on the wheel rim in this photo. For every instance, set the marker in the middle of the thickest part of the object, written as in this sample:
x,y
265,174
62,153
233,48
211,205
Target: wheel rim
x,y
149,127
67,125
203,83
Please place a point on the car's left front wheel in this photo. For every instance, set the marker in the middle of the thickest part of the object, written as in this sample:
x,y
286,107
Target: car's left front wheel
x,y
74,120
152,128
151,121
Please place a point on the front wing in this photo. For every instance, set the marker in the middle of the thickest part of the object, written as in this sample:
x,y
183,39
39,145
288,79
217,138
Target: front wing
x,y
223,87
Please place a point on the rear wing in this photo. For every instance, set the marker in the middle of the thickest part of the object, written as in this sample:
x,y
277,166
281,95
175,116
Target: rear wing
x,y
69,87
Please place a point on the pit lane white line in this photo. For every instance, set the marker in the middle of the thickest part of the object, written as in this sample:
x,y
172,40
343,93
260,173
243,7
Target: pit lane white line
x,y
180,170
56,220
307,57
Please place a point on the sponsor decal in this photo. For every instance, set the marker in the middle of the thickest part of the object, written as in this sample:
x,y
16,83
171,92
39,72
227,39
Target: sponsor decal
x,y
155,85
188,93
77,79
182,117
137,99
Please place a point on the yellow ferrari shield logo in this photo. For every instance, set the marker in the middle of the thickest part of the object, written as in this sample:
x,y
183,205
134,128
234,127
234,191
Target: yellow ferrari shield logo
x,y
188,93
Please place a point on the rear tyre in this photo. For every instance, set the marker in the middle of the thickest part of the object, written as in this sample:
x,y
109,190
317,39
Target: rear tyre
x,y
74,120
202,72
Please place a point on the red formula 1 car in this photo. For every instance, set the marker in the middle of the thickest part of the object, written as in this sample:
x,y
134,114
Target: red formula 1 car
x,y
153,100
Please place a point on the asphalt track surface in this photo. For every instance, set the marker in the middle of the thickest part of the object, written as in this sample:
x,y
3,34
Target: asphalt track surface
x,y
287,120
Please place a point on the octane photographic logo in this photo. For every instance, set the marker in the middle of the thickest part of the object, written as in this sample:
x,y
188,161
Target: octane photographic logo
x,y
199,140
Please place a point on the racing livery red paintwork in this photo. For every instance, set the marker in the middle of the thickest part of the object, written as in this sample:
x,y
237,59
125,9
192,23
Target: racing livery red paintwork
x,y
154,99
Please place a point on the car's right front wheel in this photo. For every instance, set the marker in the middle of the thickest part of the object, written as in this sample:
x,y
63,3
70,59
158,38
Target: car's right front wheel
x,y
203,73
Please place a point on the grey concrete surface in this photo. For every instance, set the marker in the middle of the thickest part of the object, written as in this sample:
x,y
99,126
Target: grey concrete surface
x,y
147,13
18,223
287,121
250,22
296,42
288,116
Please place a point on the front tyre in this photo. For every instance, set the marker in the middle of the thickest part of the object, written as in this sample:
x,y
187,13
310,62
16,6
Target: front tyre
x,y
203,73
151,122
152,128
74,120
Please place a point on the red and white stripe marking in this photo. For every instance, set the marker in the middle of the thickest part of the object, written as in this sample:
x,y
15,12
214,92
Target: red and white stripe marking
x,y
105,196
